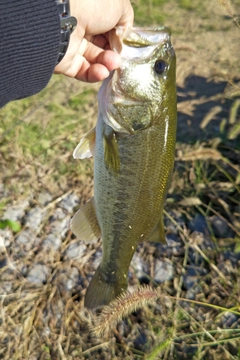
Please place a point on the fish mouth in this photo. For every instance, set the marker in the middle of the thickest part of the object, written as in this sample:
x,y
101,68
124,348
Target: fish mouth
x,y
137,37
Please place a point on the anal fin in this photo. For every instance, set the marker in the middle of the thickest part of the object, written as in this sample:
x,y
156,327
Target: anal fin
x,y
158,233
84,223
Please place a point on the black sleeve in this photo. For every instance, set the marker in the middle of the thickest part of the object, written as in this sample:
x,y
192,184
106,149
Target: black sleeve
x,y
29,45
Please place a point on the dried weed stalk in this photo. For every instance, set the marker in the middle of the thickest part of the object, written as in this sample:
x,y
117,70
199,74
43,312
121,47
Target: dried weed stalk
x,y
201,154
227,6
121,307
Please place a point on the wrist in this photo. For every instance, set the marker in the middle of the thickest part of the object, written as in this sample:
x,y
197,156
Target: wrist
x,y
68,24
77,10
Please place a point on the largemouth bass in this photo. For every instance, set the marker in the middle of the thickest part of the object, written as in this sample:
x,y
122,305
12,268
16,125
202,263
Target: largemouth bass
x,y
133,144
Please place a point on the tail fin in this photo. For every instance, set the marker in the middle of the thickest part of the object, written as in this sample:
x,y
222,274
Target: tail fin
x,y
100,292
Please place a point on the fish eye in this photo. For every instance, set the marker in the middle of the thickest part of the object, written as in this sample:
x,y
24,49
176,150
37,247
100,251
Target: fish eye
x,y
160,66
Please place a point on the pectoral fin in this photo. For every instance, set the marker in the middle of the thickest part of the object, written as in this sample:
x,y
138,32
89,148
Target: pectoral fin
x,y
158,234
111,154
84,223
86,147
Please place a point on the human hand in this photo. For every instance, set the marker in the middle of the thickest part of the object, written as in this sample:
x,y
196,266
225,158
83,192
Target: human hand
x,y
88,57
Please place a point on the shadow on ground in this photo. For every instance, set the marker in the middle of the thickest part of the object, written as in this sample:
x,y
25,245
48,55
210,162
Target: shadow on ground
x,y
198,100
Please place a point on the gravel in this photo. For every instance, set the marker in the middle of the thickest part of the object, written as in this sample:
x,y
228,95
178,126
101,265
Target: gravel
x,y
16,212
45,231
52,242
45,252
38,274
140,266
34,217
220,227
163,271
44,198
199,224
75,250
69,202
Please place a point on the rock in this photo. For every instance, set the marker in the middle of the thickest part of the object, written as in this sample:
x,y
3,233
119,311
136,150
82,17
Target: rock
x,y
60,228
38,274
97,258
191,280
72,279
59,214
69,202
141,341
67,280
52,242
5,237
3,255
75,250
228,319
140,267
173,239
34,217
205,243
5,287
44,198
16,212
174,243
232,256
199,224
171,227
163,271
26,240
221,228
191,293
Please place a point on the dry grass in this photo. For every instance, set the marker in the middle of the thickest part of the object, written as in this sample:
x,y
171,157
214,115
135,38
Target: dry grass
x,y
37,138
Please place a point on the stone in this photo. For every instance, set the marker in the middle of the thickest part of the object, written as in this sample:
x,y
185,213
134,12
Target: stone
x,y
228,319
5,237
221,228
69,202
52,242
191,280
199,224
38,274
26,240
97,258
141,341
163,271
75,250
60,228
72,279
67,280
140,267
34,217
59,214
44,198
16,212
